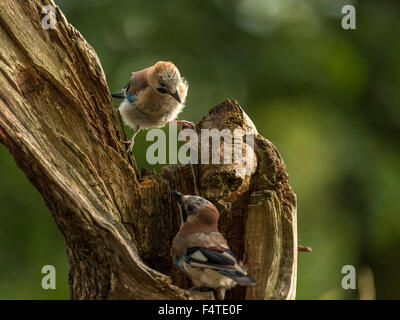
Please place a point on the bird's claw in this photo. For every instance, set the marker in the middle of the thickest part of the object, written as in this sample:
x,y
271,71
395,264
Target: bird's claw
x,y
184,124
130,146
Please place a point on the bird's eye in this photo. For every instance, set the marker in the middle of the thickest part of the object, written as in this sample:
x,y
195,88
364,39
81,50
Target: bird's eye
x,y
162,90
190,208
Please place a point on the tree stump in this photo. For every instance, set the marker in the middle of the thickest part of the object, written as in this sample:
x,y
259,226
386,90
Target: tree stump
x,y
58,122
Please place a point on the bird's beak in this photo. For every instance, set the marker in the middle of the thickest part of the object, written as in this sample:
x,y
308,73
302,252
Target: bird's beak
x,y
178,196
176,96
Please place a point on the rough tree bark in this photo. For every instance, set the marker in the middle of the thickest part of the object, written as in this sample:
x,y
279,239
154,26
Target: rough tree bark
x,y
58,122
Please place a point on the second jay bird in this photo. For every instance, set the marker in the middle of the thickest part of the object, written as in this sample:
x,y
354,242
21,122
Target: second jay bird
x,y
201,251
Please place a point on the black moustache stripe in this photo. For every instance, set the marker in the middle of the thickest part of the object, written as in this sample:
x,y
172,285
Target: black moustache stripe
x,y
184,215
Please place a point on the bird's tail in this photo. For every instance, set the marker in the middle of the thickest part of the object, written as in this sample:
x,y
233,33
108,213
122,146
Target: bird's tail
x,y
239,277
118,95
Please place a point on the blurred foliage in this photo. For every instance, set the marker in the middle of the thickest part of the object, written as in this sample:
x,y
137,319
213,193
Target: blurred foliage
x,y
328,98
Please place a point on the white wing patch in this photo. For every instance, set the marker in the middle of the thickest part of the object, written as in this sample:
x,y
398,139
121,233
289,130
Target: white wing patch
x,y
199,256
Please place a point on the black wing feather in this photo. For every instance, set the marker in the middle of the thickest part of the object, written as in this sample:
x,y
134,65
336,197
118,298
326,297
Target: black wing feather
x,y
239,277
213,257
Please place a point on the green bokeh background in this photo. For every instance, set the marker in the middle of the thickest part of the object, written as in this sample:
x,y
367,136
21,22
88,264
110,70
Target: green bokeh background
x,y
328,98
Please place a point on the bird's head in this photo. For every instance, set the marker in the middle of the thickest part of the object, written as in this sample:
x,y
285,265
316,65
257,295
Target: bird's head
x,y
165,78
197,210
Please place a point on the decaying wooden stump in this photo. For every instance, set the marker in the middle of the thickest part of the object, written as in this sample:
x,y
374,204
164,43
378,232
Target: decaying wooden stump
x,y
58,122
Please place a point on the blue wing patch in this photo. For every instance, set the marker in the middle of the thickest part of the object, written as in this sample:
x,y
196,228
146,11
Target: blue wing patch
x,y
131,97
